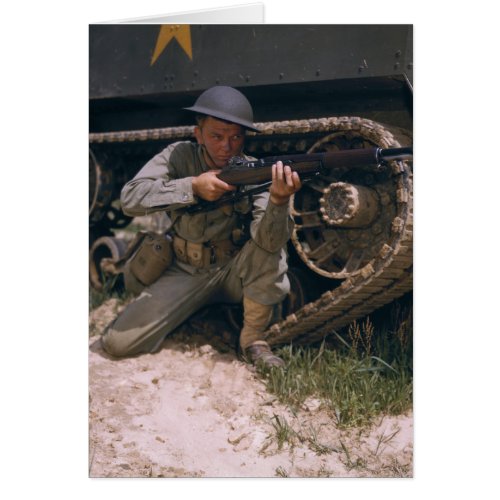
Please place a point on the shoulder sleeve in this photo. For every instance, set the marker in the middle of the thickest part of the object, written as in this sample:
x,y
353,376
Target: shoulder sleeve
x,y
164,183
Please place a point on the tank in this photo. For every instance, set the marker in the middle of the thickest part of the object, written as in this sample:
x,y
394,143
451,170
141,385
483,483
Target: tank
x,y
313,89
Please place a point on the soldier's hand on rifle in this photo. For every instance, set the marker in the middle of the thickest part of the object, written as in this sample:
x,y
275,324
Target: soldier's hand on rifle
x,y
285,183
209,187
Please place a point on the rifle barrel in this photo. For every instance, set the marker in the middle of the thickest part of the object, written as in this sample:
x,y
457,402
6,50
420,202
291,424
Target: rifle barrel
x,y
396,154
346,157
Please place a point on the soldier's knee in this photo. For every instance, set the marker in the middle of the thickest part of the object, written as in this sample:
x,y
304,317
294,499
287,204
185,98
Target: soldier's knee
x,y
116,344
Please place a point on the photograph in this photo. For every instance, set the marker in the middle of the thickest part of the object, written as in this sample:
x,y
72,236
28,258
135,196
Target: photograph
x,y
250,248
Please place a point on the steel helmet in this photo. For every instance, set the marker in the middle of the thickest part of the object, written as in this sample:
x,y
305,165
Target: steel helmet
x,y
227,104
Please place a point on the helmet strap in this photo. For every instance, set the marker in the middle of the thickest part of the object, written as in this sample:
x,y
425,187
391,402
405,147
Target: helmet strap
x,y
207,156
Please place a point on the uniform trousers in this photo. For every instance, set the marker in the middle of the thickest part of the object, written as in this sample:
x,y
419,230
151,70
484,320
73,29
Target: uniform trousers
x,y
182,290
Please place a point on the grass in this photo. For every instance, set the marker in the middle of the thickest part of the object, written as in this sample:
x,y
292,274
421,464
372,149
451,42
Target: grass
x,y
362,372
113,288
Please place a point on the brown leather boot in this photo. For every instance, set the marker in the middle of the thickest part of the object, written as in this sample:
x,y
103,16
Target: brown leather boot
x,y
256,319
260,352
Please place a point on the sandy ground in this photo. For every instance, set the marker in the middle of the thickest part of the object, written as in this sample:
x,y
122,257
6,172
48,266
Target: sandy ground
x,y
193,409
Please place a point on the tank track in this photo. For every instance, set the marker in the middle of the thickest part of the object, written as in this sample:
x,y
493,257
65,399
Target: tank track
x,y
384,278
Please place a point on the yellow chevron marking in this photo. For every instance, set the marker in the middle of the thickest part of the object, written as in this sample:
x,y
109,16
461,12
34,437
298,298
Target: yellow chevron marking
x,y
182,32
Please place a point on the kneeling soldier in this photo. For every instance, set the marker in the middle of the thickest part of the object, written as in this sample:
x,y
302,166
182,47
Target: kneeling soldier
x,y
209,267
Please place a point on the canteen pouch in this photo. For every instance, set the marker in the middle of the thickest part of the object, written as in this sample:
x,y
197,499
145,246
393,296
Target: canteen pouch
x,y
153,257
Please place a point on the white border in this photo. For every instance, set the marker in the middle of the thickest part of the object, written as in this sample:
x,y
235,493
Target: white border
x,y
45,90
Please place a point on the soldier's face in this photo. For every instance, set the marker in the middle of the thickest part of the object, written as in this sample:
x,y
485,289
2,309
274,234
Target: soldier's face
x,y
221,139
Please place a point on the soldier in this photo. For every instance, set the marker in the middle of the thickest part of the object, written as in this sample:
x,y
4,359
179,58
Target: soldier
x,y
209,265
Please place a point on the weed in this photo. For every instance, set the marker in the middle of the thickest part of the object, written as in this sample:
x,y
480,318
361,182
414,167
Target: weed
x,y
283,431
281,472
368,329
112,288
361,337
395,469
315,445
383,439
358,463
324,472
354,333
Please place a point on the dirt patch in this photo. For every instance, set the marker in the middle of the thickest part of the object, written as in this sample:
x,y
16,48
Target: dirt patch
x,y
193,409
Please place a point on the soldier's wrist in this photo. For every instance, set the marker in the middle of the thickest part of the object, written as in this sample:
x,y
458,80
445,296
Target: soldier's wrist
x,y
279,200
194,185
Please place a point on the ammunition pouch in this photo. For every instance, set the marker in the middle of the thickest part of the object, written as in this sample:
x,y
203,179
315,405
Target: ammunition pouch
x,y
202,255
153,256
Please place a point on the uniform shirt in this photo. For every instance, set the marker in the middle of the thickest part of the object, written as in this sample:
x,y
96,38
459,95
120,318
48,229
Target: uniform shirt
x,y
165,183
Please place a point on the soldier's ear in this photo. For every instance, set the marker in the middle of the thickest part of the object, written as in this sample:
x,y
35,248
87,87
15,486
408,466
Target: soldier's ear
x,y
198,134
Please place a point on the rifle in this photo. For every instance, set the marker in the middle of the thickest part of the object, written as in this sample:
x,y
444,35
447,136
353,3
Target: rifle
x,y
258,173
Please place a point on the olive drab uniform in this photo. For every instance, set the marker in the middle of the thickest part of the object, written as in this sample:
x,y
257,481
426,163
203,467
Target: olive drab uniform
x,y
208,268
